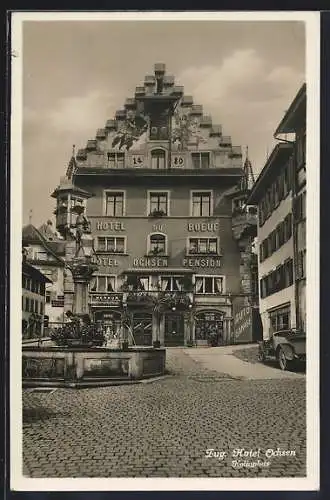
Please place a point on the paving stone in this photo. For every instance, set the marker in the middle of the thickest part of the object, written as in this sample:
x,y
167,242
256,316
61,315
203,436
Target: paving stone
x,y
164,429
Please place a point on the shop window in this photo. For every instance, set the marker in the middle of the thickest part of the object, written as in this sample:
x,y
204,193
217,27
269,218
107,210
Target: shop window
x,y
200,160
158,203
111,244
209,284
201,204
116,160
280,319
203,246
115,204
209,324
157,244
158,159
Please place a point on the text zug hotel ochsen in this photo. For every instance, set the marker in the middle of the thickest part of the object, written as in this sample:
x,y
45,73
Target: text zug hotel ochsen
x,y
249,458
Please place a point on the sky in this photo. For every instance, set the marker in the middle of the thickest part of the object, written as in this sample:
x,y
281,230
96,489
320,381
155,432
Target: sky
x,y
76,74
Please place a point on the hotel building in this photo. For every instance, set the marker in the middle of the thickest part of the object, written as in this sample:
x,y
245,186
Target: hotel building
x,y
159,185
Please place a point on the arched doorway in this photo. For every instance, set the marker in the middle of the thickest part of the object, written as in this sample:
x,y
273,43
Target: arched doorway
x,y
142,328
209,327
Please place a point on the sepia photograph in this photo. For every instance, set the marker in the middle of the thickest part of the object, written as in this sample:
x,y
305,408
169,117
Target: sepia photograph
x,y
167,335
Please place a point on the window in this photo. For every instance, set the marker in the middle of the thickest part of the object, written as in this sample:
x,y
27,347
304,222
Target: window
x,y
288,273
158,159
287,225
159,125
115,204
27,304
261,212
103,284
41,310
157,244
41,256
116,160
200,160
158,203
111,244
209,284
201,204
301,265
276,280
48,295
138,283
203,245
31,305
279,319
286,180
171,283
300,207
301,149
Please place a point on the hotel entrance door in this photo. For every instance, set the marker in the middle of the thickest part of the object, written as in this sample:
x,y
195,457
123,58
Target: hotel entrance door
x,y
174,330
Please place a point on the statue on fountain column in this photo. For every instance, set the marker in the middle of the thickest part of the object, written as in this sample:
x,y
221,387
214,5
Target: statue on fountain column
x,y
84,240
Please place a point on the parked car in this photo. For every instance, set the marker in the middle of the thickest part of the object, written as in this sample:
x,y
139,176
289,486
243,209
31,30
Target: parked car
x,y
287,347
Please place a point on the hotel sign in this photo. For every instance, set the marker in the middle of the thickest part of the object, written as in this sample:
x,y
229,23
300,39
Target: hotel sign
x,y
105,261
202,227
205,262
150,262
110,226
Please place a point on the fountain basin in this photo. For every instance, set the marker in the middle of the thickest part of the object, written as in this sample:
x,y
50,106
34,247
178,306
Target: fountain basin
x,y
57,366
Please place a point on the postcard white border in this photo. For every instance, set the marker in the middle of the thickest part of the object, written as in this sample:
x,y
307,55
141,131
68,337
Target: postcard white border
x,y
311,482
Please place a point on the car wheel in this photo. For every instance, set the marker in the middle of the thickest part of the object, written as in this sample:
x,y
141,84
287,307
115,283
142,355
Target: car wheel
x,y
283,362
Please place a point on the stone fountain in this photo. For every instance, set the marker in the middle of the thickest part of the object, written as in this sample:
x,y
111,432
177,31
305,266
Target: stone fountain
x,y
82,357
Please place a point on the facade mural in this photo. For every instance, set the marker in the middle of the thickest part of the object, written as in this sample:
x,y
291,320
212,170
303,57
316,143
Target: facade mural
x,y
130,131
186,131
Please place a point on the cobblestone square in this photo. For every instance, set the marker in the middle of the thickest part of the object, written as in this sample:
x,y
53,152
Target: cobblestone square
x,y
164,428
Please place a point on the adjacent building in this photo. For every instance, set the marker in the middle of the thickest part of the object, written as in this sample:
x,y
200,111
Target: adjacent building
x,y
46,252
158,185
294,122
33,300
279,193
